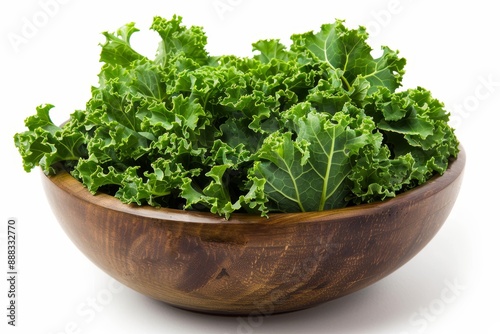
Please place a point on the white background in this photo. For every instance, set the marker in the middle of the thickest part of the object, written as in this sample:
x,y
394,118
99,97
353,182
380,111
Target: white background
x,y
452,48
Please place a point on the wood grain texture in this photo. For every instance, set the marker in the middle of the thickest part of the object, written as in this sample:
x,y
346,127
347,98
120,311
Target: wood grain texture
x,y
250,264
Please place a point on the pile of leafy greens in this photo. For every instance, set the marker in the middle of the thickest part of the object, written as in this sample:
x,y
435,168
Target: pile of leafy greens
x,y
314,126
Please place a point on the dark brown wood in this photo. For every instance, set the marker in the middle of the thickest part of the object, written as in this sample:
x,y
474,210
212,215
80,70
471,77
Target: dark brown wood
x,y
250,264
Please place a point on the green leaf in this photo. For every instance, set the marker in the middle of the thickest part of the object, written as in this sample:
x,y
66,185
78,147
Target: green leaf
x,y
419,144
203,84
179,40
216,195
376,176
91,172
41,120
328,96
310,172
237,132
270,50
45,144
117,49
118,143
348,51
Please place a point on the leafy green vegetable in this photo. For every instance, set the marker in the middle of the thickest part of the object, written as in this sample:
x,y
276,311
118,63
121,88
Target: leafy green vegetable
x,y
316,126
310,172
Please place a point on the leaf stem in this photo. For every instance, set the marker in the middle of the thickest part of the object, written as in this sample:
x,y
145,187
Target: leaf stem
x,y
346,83
322,202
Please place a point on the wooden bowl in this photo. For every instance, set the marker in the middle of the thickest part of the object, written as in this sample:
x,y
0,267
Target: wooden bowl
x,y
249,264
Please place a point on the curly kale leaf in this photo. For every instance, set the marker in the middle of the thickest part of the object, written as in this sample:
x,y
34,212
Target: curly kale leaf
x,y
316,126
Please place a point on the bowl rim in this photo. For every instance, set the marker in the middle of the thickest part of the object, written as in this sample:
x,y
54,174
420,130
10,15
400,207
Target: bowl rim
x,y
67,183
